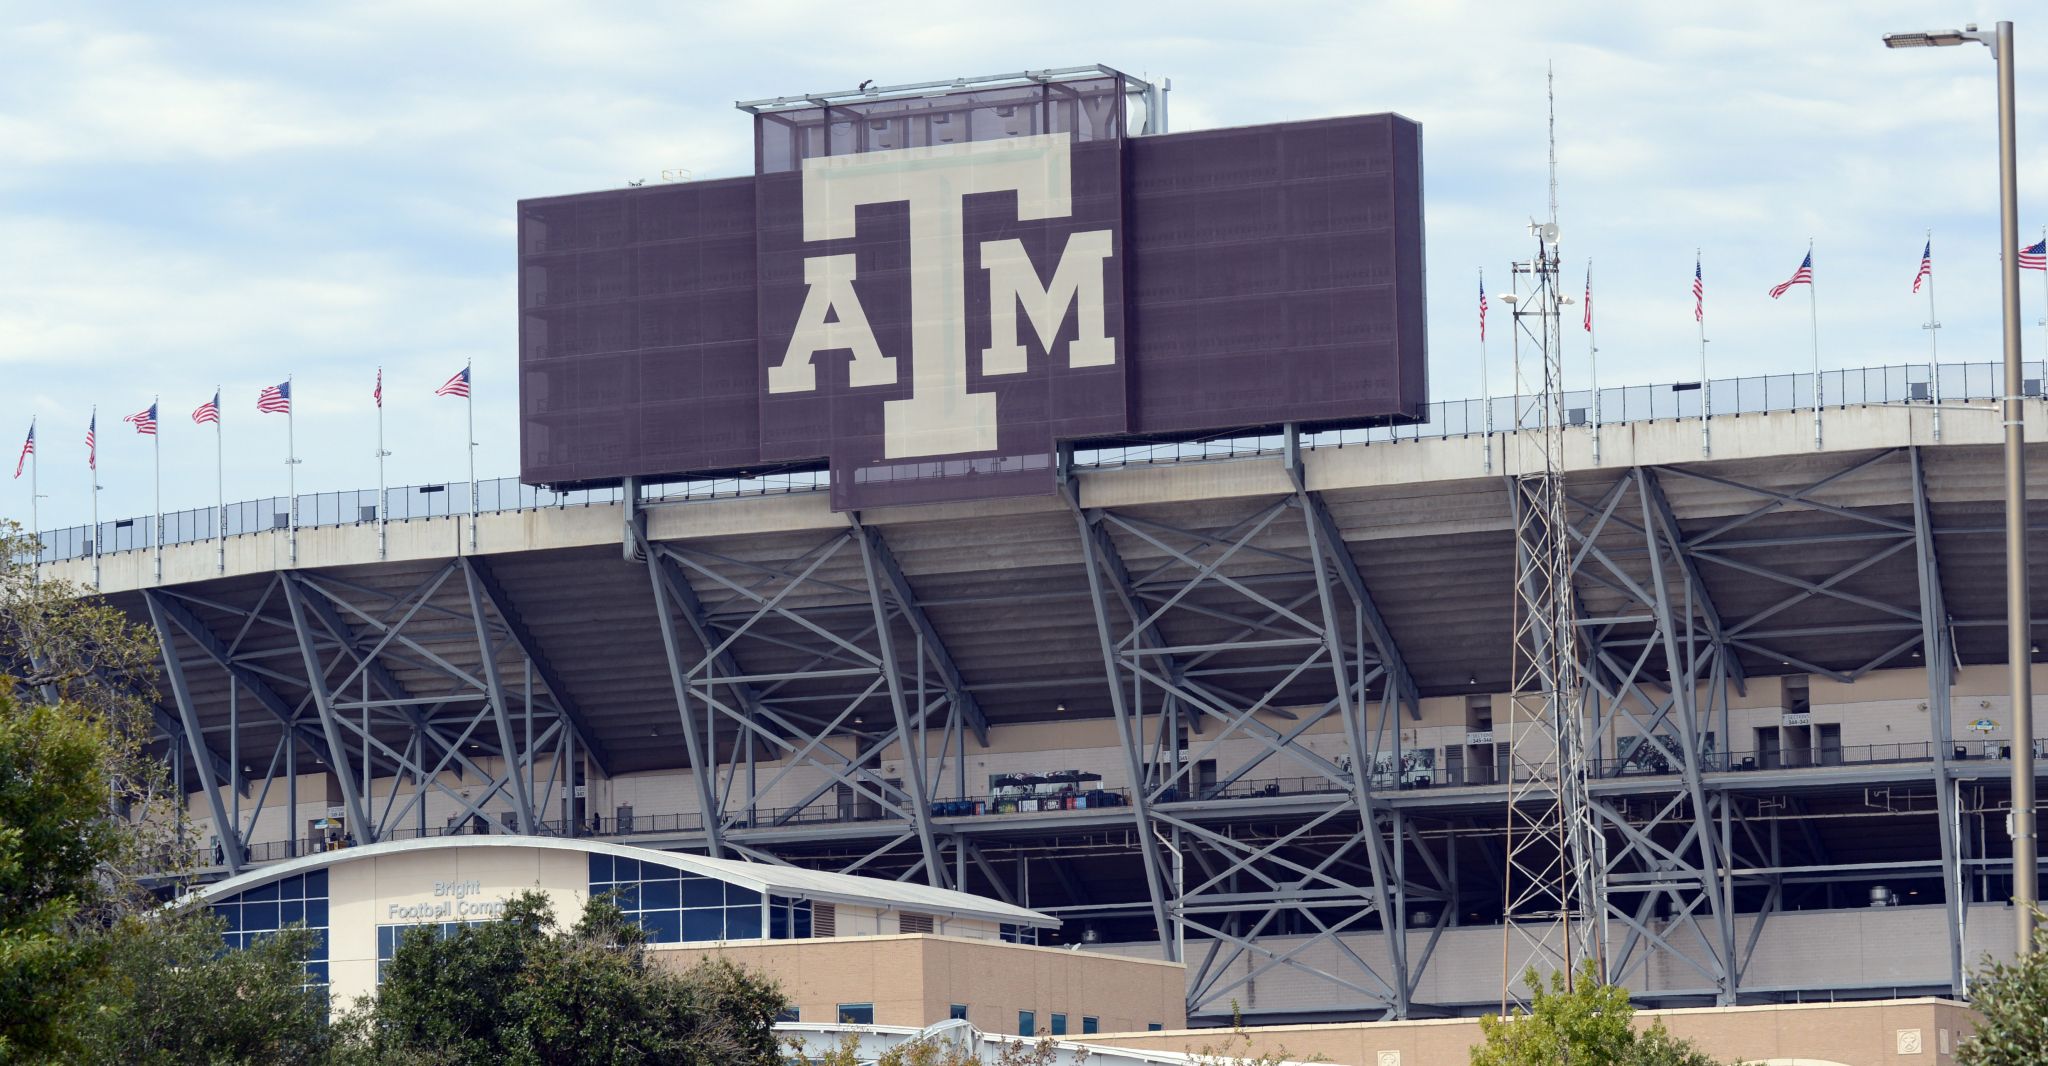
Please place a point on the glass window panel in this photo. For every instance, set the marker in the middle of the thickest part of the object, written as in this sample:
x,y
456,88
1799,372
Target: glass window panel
x,y
316,884
1027,1023
316,912
743,923
800,921
703,892
856,1014
259,915
663,927
778,921
660,895
625,869
628,895
1059,1025
293,887
704,923
1090,1025
291,910
230,913
737,896
260,893
600,869
958,1012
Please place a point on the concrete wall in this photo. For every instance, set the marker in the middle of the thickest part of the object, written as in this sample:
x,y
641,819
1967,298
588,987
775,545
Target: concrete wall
x,y
1913,1032
915,979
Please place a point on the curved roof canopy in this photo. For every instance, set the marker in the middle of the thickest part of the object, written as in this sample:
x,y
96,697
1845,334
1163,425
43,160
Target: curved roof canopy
x,y
762,877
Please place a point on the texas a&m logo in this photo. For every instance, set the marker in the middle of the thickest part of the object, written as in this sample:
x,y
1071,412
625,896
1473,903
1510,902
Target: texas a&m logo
x,y
955,367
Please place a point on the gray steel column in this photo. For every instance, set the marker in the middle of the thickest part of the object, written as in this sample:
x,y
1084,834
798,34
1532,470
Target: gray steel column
x,y
1392,894
1939,658
522,798
323,702
1128,736
1682,682
224,827
908,739
701,769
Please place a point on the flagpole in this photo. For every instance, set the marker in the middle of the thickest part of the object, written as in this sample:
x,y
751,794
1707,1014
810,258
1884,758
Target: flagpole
x,y
1706,384
92,465
220,493
1593,361
156,534
1813,306
469,403
1485,381
291,466
34,503
383,495
1933,327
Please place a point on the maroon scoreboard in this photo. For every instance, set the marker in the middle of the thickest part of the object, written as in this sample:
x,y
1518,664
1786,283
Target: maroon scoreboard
x,y
929,295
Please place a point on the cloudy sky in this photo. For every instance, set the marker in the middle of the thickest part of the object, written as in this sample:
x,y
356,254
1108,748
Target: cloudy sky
x,y
218,193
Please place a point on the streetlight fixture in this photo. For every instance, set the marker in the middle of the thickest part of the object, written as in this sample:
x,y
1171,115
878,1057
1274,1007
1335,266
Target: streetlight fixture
x,y
2018,640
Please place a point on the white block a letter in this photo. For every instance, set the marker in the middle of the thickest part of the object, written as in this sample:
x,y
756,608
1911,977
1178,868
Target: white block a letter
x,y
1076,282
832,318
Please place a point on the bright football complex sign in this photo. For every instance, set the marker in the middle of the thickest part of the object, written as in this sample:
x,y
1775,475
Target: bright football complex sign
x,y
930,296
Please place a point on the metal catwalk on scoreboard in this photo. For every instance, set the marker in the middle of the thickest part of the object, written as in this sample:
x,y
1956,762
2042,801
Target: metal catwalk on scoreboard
x,y
839,681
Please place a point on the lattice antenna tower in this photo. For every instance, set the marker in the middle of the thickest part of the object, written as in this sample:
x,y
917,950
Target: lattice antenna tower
x,y
1554,888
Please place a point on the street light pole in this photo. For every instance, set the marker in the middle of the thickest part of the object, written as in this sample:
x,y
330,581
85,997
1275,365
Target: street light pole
x,y
2018,637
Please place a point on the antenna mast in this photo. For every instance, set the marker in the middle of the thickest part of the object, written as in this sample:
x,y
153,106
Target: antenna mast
x,y
1555,891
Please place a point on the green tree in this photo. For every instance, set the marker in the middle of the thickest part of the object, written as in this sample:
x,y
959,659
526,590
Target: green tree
x,y
170,996
1581,1023
2012,1000
518,991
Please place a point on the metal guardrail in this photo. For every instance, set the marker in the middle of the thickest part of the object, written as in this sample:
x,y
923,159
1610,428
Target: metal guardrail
x,y
1383,780
1904,384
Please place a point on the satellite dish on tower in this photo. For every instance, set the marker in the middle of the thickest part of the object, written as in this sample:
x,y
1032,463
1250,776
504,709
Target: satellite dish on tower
x,y
1548,231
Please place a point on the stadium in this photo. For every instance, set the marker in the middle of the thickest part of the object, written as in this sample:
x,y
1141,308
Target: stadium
x,y
1199,669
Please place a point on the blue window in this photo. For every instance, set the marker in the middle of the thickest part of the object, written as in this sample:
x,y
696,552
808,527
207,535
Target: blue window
x,y
1059,1025
1027,1023
1154,1027
1019,934
856,1014
958,1012
1090,1025
789,1014
678,907
258,913
389,937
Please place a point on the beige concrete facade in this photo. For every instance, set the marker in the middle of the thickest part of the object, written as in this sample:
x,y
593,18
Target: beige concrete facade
x,y
918,979
1908,1032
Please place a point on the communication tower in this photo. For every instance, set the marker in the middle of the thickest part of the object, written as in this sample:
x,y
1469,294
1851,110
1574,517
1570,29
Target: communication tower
x,y
1554,883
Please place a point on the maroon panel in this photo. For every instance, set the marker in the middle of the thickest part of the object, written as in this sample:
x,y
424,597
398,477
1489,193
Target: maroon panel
x,y
1276,275
636,332
1252,277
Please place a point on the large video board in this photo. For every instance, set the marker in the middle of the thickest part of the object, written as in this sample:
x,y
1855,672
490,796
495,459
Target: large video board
x,y
930,295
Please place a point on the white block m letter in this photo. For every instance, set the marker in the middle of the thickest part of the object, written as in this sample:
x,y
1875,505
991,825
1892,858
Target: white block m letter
x,y
1076,282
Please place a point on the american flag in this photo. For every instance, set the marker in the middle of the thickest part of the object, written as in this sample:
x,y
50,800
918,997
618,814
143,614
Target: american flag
x,y
208,411
28,448
459,384
378,393
1589,297
2035,256
1482,308
275,399
92,443
144,421
1699,292
1802,276
1926,265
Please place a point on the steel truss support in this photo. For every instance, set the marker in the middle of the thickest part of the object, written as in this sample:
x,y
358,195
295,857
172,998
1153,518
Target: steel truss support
x,y
1278,600
362,722
1938,653
847,639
